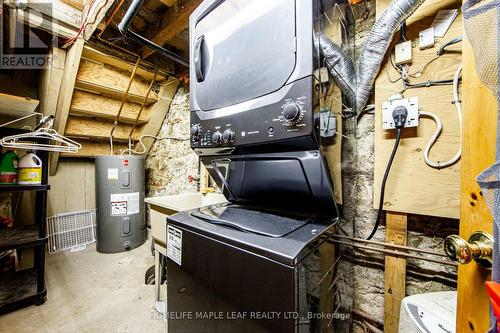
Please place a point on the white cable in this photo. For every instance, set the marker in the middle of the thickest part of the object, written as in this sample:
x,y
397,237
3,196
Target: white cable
x,y
439,127
143,149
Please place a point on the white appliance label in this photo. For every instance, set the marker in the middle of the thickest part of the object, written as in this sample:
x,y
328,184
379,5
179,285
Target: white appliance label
x,y
112,174
174,244
125,203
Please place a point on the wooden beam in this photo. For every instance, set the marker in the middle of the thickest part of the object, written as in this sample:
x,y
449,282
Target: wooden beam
x,y
159,111
96,17
168,3
78,4
17,106
95,148
37,21
72,63
112,92
395,271
96,106
178,22
87,128
478,153
50,82
95,55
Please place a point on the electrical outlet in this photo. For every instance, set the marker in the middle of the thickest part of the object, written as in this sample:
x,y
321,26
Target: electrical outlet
x,y
403,53
426,38
388,107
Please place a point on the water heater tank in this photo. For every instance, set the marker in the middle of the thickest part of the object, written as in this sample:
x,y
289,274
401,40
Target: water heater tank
x,y
119,184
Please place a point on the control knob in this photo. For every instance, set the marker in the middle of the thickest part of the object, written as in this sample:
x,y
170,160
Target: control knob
x,y
228,135
195,132
217,137
291,113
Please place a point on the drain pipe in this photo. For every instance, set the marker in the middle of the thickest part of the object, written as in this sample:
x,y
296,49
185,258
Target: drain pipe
x,y
124,26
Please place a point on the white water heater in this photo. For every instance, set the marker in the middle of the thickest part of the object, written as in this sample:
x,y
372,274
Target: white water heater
x,y
429,313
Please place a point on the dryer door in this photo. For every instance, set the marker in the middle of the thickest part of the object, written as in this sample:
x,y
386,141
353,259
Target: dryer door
x,y
242,50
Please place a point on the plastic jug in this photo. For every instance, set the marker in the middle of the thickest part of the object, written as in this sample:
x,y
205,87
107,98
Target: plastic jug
x,y
8,168
29,170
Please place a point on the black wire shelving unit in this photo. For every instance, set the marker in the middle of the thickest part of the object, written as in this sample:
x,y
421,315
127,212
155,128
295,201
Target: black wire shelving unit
x,y
26,287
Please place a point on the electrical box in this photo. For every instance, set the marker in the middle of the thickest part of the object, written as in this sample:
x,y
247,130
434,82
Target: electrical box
x,y
328,123
388,107
426,38
403,53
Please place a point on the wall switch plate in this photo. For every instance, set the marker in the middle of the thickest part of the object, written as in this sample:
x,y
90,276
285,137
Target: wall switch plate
x,y
403,53
388,107
426,38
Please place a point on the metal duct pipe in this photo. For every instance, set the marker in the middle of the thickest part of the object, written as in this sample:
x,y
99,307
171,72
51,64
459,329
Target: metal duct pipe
x,y
372,54
124,25
340,66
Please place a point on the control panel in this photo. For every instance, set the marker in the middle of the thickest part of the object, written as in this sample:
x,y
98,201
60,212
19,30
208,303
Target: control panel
x,y
288,118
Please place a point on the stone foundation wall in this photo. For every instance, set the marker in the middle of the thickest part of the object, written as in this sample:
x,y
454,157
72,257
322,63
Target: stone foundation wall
x,y
171,162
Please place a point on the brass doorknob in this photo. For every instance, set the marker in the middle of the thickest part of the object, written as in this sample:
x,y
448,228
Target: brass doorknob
x,y
479,247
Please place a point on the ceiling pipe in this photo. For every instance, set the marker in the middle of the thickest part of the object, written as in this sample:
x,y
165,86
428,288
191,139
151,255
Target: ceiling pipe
x,y
124,26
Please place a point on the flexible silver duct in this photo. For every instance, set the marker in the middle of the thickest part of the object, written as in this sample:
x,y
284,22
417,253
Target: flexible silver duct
x,y
340,66
372,54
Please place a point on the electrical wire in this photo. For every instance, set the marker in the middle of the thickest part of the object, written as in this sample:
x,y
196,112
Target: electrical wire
x,y
143,149
399,131
439,127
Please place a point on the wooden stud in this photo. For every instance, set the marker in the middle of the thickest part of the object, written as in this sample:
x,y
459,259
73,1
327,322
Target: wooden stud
x,y
395,271
50,82
478,152
176,25
159,111
72,63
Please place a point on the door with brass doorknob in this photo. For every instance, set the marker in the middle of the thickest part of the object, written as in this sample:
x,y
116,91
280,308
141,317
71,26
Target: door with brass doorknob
x,y
479,247
478,153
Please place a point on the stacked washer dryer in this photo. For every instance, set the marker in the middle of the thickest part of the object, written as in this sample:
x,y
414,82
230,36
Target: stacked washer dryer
x,y
264,262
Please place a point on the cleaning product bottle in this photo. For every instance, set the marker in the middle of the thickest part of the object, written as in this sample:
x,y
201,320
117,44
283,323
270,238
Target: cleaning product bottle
x,y
29,170
8,168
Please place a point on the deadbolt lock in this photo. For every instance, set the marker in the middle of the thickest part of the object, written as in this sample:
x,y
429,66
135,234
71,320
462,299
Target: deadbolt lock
x,y
479,247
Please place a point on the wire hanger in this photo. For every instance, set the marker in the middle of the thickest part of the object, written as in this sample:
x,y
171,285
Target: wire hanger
x,y
54,141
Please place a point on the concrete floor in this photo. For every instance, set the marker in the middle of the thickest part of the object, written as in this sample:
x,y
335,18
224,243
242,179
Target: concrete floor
x,y
93,292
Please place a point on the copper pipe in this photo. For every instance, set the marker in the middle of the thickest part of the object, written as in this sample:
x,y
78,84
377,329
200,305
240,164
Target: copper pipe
x,y
124,99
397,254
143,104
394,246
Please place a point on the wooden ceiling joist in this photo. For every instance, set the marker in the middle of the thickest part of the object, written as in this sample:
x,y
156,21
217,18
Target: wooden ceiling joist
x,y
175,23
91,105
83,127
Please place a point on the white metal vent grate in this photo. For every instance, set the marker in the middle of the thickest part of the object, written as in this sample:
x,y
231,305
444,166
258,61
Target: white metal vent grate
x,y
72,230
